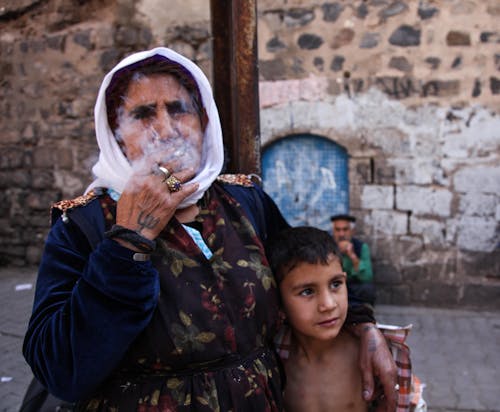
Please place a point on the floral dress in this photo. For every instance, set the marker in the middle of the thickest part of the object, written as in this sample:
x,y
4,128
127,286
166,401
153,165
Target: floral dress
x,y
209,345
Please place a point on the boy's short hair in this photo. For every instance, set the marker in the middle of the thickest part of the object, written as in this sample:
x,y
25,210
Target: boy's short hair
x,y
303,244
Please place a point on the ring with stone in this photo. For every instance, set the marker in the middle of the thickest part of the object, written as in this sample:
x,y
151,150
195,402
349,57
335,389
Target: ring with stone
x,y
173,184
396,387
166,173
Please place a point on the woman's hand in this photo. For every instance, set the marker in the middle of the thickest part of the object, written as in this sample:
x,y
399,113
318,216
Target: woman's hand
x,y
146,204
376,361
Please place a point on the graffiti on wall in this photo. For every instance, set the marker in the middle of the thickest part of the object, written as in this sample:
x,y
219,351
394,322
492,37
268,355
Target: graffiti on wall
x,y
306,176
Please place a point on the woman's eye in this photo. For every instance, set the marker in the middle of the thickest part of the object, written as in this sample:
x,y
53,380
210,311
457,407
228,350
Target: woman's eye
x,y
177,107
143,112
306,292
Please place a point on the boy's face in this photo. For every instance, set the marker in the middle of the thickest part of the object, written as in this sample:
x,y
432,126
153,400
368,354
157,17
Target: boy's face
x,y
315,299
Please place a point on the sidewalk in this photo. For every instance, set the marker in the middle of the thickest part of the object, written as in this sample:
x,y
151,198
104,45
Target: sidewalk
x,y
456,353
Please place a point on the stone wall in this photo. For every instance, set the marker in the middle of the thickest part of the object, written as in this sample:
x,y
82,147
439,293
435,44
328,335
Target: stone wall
x,y
409,88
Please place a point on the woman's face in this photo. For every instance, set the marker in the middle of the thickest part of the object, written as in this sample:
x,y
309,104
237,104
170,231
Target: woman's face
x,y
158,121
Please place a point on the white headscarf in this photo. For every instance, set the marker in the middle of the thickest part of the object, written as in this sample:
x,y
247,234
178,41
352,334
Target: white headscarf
x,y
113,170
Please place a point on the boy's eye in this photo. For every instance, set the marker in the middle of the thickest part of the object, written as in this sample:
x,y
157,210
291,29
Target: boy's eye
x,y
336,284
143,112
306,292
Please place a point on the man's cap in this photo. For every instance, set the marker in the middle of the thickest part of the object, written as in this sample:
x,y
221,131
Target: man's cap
x,y
343,217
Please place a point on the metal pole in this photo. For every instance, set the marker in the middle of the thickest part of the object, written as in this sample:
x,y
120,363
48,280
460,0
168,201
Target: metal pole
x,y
236,82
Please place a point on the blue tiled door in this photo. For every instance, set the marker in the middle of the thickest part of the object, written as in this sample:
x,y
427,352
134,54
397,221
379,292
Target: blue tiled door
x,y
307,176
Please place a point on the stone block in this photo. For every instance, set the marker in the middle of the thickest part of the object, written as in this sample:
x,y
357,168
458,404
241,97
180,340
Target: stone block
x,y
109,58
416,171
477,234
432,231
433,62
337,63
385,273
309,41
440,88
298,17
482,179
457,62
489,37
400,295
377,197
391,140
342,38
384,173
360,171
407,249
331,11
405,36
355,197
481,296
400,63
319,63
414,273
458,38
426,12
494,85
442,266
272,69
64,158
44,157
478,204
480,265
83,38
42,179
103,36
424,200
33,255
388,222
440,295
39,201
383,295
393,9
12,157
274,45
369,40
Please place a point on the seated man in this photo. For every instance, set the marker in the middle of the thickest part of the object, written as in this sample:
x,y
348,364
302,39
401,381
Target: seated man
x,y
356,260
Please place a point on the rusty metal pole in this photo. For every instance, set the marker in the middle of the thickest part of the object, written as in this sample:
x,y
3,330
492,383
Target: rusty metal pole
x,y
236,82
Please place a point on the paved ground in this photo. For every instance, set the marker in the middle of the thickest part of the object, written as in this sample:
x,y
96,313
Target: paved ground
x,y
456,353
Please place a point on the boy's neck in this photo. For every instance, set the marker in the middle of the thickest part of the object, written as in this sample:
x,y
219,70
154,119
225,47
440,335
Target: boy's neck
x,y
314,350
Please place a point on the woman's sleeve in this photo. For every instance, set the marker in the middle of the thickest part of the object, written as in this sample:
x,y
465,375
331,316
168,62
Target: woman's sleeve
x,y
89,307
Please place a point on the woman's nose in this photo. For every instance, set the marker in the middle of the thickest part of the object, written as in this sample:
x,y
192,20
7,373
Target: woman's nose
x,y
163,125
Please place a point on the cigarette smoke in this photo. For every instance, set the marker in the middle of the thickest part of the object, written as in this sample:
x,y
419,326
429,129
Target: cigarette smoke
x,y
177,151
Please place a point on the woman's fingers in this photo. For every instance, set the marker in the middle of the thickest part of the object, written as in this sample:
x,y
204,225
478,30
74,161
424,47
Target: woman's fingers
x,y
149,202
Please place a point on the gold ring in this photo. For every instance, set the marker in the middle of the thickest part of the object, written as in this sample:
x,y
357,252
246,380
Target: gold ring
x,y
173,184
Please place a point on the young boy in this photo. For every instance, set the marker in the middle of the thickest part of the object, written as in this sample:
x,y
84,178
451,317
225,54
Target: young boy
x,y
322,364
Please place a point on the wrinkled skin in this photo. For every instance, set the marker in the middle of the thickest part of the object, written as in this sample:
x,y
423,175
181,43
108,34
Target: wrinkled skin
x,y
158,126
376,361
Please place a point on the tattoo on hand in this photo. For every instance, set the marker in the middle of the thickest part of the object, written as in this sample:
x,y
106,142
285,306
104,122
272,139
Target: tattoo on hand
x,y
146,221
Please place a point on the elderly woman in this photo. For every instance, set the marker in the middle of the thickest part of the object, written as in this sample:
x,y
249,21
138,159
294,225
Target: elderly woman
x,y
154,290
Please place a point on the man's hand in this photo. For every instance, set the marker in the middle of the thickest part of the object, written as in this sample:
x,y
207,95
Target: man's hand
x,y
376,361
